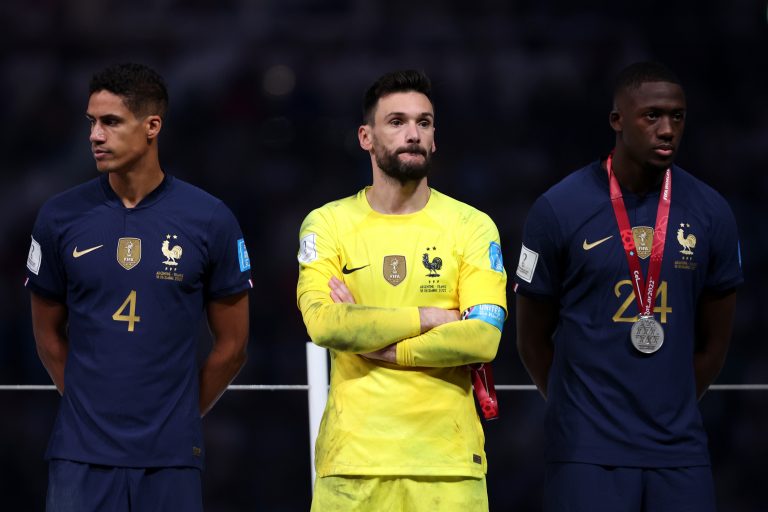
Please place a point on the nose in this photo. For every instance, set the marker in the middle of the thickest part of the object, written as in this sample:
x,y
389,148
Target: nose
x,y
97,133
412,134
666,128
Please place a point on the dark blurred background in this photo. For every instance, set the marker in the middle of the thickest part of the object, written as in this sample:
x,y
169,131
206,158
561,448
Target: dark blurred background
x,y
265,101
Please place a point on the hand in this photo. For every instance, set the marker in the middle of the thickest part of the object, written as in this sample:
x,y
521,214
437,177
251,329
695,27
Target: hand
x,y
386,354
339,291
432,317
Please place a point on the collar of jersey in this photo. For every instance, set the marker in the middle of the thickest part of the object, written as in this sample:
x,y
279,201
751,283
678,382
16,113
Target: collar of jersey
x,y
363,200
152,197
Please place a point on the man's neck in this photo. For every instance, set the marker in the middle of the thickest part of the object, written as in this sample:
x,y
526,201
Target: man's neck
x,y
389,196
634,177
133,186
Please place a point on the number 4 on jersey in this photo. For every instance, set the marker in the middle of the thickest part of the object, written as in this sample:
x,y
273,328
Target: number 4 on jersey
x,y
131,318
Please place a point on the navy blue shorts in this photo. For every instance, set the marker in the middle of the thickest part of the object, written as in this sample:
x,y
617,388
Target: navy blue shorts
x,y
78,487
576,487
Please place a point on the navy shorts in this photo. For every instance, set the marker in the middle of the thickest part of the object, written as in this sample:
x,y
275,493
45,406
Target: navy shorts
x,y
576,487
78,487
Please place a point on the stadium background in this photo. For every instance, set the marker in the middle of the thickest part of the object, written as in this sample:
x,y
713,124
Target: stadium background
x,y
264,109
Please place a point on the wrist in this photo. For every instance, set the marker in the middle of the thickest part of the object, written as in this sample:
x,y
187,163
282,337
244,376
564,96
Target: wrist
x,y
423,320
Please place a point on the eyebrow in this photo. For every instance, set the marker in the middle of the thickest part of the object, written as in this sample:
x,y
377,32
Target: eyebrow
x,y
402,114
105,117
663,109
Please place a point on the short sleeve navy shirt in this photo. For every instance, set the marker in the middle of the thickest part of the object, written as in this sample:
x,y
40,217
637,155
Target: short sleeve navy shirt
x,y
607,402
135,282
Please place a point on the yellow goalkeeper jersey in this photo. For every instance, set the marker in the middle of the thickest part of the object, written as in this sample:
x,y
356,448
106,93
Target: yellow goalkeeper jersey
x,y
416,417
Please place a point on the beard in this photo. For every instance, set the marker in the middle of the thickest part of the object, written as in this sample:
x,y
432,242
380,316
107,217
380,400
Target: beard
x,y
390,163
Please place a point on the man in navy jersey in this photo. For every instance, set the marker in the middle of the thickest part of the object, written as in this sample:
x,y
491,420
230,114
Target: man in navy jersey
x,y
625,300
121,270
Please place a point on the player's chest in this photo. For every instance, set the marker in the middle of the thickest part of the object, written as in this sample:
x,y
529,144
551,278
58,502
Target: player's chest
x,y
119,247
412,263
598,249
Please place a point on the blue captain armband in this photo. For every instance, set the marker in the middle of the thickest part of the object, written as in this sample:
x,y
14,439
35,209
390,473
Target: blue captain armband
x,y
488,313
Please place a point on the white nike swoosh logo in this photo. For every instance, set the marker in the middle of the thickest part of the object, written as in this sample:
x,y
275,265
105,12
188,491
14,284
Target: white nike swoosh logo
x,y
587,246
77,254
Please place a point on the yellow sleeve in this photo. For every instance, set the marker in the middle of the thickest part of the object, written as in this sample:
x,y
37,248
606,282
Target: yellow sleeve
x,y
344,327
482,280
451,344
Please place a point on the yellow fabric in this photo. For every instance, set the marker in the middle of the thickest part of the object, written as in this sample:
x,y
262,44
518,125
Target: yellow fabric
x,y
387,419
416,494
446,345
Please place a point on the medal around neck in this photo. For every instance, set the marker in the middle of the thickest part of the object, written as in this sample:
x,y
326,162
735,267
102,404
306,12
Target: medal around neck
x,y
647,335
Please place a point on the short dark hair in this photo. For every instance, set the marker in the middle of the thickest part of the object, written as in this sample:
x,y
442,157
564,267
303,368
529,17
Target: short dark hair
x,y
635,75
142,88
395,81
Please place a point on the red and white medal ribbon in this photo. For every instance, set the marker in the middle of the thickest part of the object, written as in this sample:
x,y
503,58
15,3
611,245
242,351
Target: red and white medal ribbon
x,y
644,290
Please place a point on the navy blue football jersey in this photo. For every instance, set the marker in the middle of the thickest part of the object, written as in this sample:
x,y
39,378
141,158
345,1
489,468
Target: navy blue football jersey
x,y
135,282
607,402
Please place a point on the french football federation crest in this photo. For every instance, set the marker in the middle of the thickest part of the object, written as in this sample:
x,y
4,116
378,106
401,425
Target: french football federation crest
x,y
171,253
433,266
128,252
643,236
395,269
687,241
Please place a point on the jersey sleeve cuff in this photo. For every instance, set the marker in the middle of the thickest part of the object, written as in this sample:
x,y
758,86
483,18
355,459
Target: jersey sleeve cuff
x,y
47,294
226,292
403,354
526,292
726,285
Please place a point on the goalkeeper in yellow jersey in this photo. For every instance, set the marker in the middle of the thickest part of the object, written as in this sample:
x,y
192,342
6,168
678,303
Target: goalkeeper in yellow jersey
x,y
406,287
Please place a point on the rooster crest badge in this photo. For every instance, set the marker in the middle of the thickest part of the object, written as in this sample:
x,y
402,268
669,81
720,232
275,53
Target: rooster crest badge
x,y
434,265
171,253
687,241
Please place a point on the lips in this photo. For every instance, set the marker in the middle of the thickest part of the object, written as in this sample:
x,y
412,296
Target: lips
x,y
665,150
412,150
99,154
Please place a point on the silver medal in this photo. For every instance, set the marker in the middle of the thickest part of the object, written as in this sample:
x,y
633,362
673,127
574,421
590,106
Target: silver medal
x,y
647,335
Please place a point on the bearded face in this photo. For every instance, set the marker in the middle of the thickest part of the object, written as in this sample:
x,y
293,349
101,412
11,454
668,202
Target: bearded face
x,y
401,136
407,163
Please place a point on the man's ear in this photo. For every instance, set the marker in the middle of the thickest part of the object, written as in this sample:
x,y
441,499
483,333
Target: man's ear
x,y
615,120
153,124
365,136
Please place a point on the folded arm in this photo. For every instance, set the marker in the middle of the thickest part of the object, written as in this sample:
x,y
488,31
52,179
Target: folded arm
x,y
451,344
354,328
336,322
443,341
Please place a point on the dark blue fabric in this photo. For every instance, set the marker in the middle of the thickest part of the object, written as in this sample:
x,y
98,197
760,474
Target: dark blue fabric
x,y
608,403
131,397
78,487
577,487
